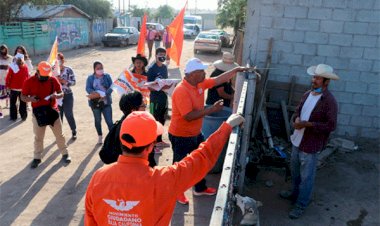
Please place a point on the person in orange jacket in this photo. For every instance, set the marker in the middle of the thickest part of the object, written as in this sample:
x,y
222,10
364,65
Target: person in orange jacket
x,y
129,191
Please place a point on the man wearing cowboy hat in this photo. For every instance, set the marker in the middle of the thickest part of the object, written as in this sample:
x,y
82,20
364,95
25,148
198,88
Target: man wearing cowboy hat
x,y
223,91
316,118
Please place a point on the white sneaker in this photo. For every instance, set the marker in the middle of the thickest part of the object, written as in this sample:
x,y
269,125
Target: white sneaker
x,y
100,140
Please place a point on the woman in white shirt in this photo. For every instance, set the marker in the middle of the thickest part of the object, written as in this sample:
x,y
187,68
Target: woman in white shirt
x,y
5,60
27,60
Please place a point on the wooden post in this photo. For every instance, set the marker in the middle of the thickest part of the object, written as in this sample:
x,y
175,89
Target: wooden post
x,y
286,119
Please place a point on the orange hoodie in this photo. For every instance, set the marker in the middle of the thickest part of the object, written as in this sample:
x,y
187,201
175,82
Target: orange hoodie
x,y
130,192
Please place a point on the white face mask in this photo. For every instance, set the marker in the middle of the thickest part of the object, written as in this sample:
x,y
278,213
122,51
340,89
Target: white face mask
x,y
99,72
59,63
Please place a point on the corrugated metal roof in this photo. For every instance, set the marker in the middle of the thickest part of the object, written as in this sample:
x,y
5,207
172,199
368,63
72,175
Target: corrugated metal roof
x,y
45,12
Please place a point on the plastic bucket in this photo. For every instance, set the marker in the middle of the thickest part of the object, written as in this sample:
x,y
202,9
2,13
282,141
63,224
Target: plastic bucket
x,y
210,124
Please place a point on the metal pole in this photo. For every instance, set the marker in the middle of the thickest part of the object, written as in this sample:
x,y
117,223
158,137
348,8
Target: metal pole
x,y
119,7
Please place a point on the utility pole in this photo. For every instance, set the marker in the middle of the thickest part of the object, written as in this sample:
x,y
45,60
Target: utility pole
x,y
129,5
195,11
123,6
119,7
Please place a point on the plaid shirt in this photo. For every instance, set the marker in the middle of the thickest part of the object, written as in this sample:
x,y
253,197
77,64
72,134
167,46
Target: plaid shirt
x,y
324,119
68,75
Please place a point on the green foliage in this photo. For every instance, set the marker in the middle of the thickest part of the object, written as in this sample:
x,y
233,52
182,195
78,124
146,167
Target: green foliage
x,y
94,8
139,12
164,12
231,13
9,9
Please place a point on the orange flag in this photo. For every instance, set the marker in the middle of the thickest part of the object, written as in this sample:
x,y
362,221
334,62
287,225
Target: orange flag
x,y
176,30
141,44
53,60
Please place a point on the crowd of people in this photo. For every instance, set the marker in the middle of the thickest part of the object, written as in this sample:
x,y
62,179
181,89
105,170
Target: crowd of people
x,y
130,180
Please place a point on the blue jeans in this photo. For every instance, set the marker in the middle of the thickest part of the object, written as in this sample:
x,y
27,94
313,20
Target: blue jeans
x,y
303,168
185,145
107,114
67,109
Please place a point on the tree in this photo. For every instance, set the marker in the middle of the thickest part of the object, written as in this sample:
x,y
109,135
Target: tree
x,y
231,13
164,12
139,12
9,9
94,8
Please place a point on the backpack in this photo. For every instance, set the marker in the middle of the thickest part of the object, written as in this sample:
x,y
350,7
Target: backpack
x,y
111,149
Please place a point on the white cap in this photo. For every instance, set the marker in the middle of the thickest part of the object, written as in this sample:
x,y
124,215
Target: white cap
x,y
195,64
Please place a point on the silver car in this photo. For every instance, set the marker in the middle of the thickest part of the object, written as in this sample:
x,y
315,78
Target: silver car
x,y
121,36
207,41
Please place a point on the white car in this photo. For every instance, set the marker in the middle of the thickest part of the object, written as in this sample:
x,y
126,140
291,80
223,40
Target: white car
x,y
190,30
207,41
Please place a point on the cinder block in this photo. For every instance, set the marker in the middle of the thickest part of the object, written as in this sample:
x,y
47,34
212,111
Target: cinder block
x,y
305,49
374,28
360,4
372,53
262,55
307,3
283,46
338,63
266,33
347,75
360,64
350,109
307,25
364,40
340,39
299,71
263,44
370,78
343,119
368,16
294,36
327,50
356,87
289,58
280,69
373,89
316,37
351,52
344,14
376,4
332,26
266,21
355,28
371,111
335,3
295,12
362,121
267,1
282,78
284,23
319,13
337,85
349,131
365,99
313,60
272,10
370,133
343,97
376,66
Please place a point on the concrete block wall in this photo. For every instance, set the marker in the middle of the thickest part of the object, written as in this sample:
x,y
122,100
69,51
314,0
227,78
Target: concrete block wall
x,y
342,33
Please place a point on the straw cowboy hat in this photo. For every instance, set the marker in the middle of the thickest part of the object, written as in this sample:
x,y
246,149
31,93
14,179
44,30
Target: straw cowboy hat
x,y
140,57
322,70
226,63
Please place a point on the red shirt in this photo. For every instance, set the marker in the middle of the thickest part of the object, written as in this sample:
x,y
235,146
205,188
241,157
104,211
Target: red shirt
x,y
33,87
16,80
129,192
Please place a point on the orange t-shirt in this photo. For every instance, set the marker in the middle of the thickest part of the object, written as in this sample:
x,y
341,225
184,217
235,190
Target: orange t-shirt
x,y
129,192
185,99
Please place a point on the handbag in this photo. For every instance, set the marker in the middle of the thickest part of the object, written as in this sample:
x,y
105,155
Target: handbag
x,y
46,115
97,103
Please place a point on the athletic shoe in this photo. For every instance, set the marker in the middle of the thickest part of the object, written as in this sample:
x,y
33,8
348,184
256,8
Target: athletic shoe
x,y
296,212
208,191
183,199
35,163
66,158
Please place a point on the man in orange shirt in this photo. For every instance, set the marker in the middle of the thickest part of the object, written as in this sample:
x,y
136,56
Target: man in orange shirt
x,y
129,192
188,112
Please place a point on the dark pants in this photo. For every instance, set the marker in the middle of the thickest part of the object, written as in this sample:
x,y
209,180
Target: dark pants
x,y
107,114
67,109
13,107
158,110
152,161
185,145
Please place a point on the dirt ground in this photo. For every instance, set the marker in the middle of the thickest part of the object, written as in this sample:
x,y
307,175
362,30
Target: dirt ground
x,y
54,193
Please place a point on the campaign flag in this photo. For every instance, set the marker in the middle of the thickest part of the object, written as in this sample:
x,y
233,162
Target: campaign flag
x,y
176,30
141,43
53,58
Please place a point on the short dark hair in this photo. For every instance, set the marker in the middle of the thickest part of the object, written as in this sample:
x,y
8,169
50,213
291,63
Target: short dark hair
x,y
133,150
96,63
131,101
160,50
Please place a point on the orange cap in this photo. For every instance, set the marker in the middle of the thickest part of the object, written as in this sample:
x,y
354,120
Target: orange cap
x,y
44,68
142,126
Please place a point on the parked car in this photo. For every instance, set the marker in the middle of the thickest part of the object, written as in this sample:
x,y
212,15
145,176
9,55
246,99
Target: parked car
x,y
121,36
207,41
224,36
190,30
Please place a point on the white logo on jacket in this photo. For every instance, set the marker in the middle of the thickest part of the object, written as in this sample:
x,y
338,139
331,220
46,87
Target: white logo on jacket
x,y
123,205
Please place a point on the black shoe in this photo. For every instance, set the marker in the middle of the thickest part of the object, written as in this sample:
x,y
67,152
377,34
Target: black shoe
x,y
74,135
288,195
66,158
35,163
23,118
296,212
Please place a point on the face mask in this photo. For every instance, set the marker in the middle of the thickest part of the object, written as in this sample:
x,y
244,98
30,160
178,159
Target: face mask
x,y
59,62
43,78
318,90
161,59
99,72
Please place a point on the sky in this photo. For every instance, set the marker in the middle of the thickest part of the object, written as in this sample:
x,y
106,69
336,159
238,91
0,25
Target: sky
x,y
176,4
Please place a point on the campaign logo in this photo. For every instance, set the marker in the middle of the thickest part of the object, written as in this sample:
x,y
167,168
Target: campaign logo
x,y
121,205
